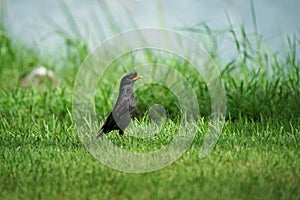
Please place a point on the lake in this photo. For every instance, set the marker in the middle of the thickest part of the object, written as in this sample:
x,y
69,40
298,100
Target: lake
x,y
35,22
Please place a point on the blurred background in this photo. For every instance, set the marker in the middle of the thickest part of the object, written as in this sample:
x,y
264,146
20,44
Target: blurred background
x,y
41,23
254,43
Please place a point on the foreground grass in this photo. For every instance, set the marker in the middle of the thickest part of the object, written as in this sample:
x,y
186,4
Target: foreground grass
x,y
243,165
42,157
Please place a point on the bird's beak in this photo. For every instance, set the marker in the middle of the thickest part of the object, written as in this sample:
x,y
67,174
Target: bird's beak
x,y
137,78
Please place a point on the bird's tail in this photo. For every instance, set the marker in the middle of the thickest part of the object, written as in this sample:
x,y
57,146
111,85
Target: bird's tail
x,y
100,133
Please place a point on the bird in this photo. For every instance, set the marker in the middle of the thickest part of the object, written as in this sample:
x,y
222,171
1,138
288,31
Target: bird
x,y
124,108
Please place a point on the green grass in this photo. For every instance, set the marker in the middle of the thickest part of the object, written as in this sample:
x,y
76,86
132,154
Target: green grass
x,y
257,155
42,157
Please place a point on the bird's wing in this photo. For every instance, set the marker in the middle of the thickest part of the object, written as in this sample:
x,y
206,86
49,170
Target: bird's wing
x,y
121,114
109,124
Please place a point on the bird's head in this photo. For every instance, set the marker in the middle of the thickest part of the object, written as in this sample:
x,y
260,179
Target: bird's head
x,y
130,79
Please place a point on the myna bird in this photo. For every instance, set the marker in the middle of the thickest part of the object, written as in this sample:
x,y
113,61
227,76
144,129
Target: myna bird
x,y
123,111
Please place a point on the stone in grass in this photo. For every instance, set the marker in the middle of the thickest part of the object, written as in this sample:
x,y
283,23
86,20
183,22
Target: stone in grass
x,y
38,76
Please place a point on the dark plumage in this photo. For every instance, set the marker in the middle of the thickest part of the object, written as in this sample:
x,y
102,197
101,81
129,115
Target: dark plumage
x,y
123,111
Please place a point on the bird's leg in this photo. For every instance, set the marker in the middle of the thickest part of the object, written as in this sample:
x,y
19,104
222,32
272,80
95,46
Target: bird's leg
x,y
121,132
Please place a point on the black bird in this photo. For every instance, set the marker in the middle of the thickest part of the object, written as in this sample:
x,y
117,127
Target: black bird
x,y
123,111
